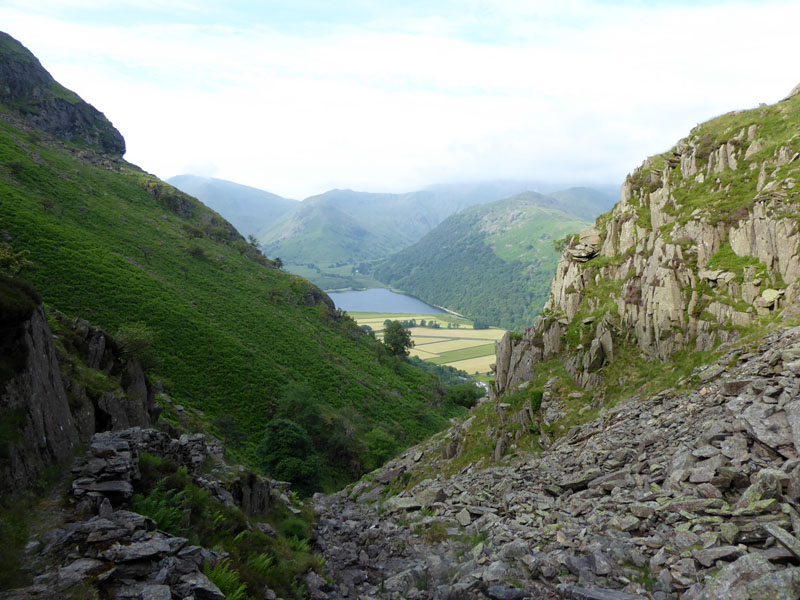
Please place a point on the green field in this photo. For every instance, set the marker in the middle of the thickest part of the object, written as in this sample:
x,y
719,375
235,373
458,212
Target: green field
x,y
462,347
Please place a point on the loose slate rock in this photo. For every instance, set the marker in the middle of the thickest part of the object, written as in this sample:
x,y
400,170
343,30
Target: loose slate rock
x,y
498,592
569,592
787,540
730,582
783,585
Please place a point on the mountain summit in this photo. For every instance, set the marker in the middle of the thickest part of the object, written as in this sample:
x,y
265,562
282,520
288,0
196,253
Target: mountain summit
x,y
31,93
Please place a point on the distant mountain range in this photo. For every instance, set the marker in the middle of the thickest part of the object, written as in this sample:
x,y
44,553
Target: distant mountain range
x,y
494,262
248,209
325,237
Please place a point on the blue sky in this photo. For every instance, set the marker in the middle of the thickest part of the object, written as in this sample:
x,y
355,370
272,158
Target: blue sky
x,y
303,96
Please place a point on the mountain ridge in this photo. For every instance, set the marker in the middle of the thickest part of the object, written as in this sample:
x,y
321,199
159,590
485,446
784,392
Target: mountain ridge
x,y
247,208
492,262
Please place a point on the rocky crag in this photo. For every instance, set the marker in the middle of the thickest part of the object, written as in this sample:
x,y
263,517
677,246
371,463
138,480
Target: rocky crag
x,y
77,388
703,243
37,99
103,550
58,391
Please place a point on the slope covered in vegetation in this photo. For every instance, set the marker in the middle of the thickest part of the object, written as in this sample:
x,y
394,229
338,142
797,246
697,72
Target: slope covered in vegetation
x,y
225,331
492,263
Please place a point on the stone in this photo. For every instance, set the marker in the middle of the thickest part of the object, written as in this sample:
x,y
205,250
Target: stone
x,y
643,511
782,585
731,581
463,517
200,587
766,485
496,571
156,592
710,372
735,387
570,592
389,475
430,495
498,592
402,503
580,480
710,556
137,550
792,410
84,568
786,539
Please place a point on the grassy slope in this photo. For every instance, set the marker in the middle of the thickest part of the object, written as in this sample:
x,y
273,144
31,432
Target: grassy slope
x,y
232,333
492,263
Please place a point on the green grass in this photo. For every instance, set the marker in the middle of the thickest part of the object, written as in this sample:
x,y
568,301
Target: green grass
x,y
455,355
107,244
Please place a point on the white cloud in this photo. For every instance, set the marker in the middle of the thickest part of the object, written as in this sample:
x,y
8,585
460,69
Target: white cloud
x,y
387,107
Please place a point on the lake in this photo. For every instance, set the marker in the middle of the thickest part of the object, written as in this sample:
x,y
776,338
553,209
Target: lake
x,y
381,300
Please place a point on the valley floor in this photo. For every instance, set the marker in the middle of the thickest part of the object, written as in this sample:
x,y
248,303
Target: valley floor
x,y
461,347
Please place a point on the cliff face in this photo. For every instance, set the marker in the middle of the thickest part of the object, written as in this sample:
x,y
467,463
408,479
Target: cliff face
x,y
54,396
30,91
703,243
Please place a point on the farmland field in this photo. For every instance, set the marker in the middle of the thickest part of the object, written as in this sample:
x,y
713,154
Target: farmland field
x,y
458,345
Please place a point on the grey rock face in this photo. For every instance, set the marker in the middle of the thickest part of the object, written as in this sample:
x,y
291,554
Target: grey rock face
x,y
47,105
116,553
35,404
49,425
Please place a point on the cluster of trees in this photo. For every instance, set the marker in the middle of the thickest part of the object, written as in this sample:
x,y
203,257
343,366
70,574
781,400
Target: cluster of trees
x,y
300,434
422,323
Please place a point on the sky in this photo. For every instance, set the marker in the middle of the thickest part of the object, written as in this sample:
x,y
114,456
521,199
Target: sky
x,y
297,97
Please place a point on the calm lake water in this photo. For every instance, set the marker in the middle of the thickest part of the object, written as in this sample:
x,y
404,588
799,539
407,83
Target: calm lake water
x,y
381,300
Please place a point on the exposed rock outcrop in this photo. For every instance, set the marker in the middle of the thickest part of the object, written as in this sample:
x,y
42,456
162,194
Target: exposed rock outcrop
x,y
704,240
39,427
47,403
37,98
111,552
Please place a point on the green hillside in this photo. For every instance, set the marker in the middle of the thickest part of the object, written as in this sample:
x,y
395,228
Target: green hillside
x,y
327,236
248,209
492,263
232,335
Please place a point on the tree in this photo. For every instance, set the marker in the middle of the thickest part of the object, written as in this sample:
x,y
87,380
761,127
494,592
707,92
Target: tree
x,y
277,262
252,240
136,340
397,338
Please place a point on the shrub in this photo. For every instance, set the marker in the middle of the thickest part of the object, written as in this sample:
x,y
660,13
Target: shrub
x,y
380,447
287,453
464,394
166,507
227,580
